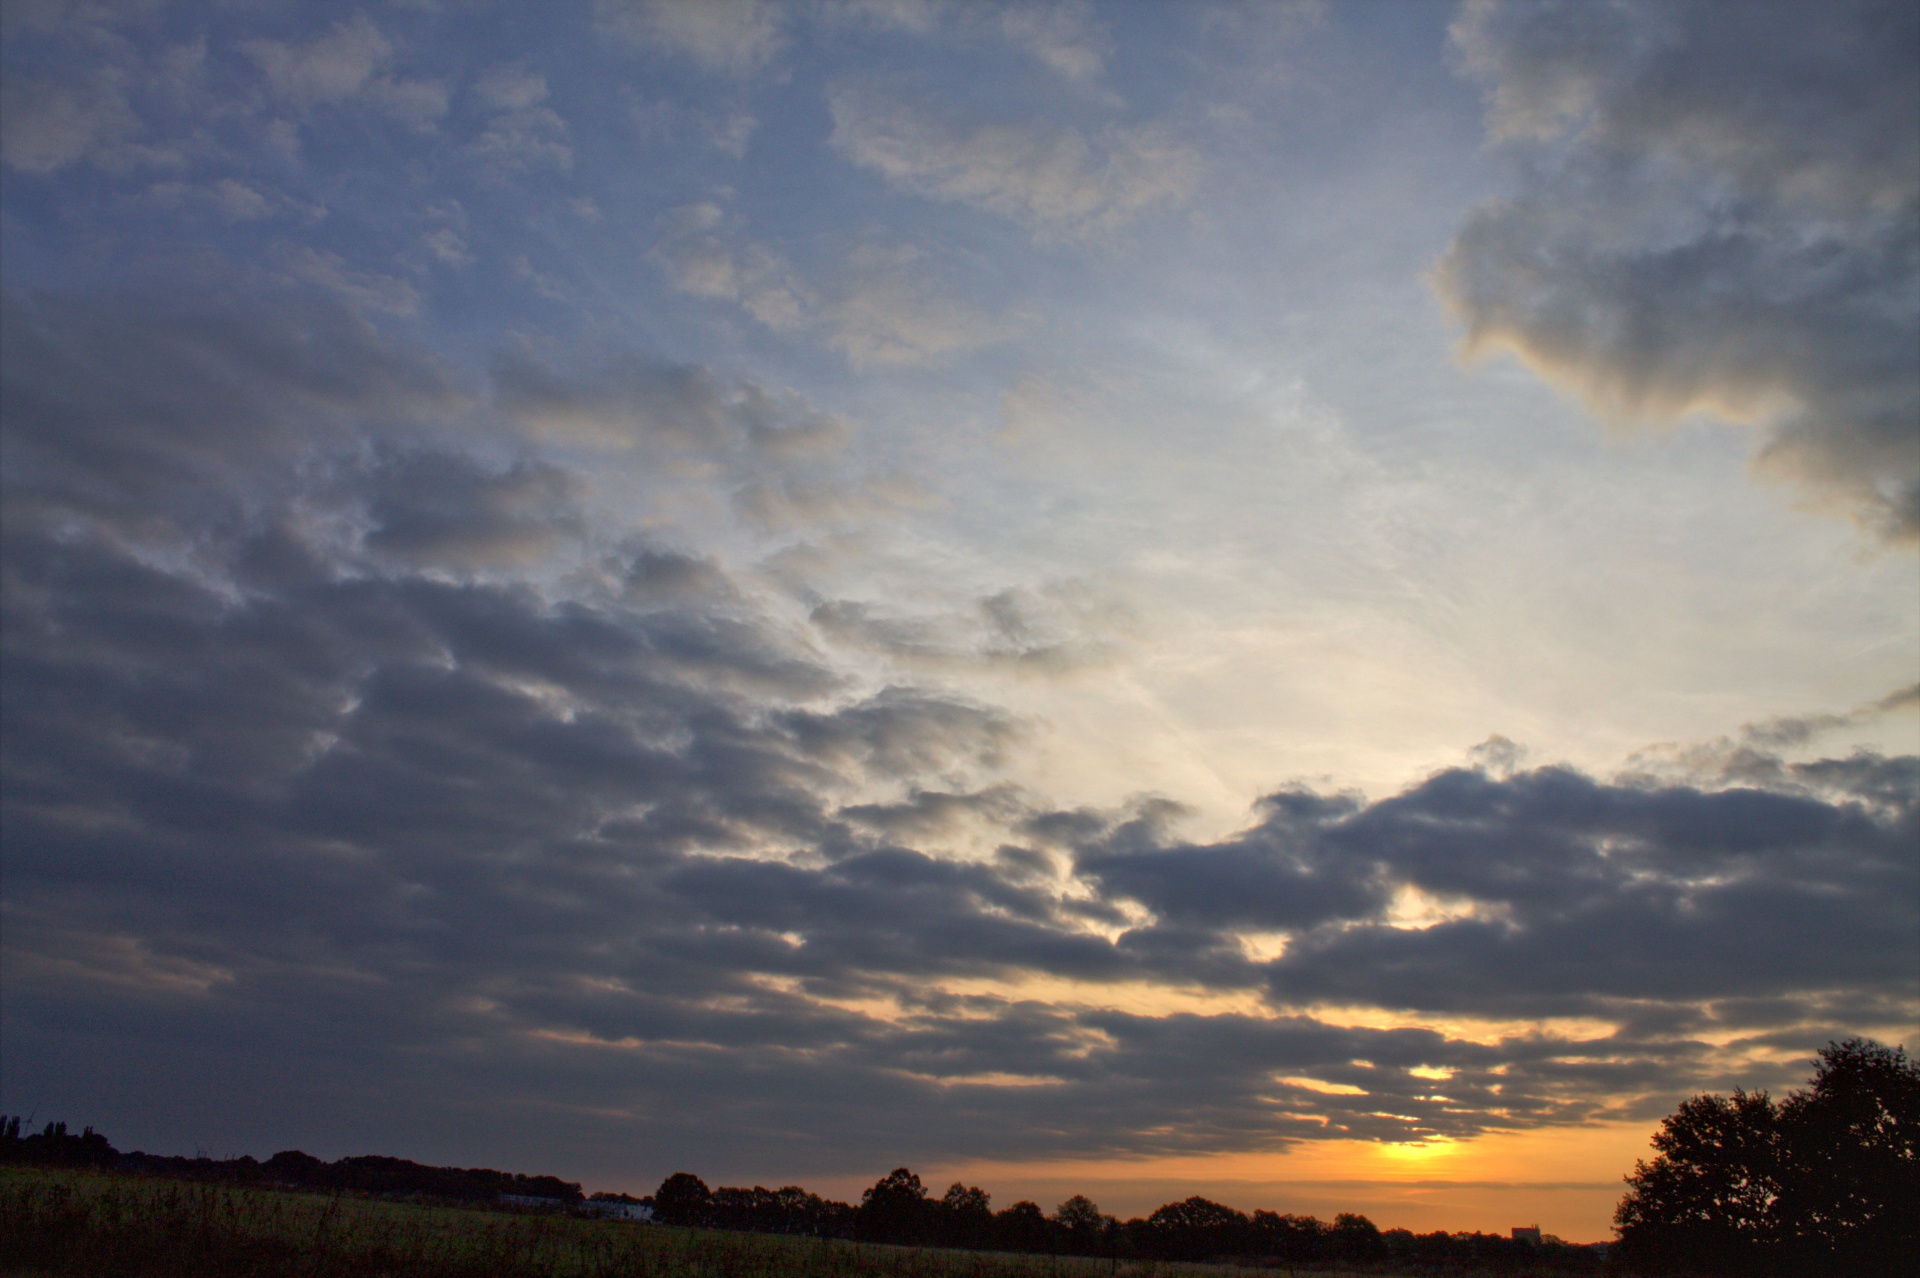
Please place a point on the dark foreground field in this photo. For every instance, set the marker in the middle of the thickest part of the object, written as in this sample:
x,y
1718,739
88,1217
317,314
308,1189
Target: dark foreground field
x,y
55,1222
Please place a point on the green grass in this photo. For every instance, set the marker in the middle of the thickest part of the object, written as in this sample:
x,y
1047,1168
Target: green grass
x,y
55,1222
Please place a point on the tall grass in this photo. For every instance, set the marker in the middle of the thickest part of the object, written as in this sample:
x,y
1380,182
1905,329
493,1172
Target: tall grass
x,y
90,1223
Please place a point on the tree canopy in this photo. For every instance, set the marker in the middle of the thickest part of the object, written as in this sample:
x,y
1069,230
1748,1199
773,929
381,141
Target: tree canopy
x,y
1826,1181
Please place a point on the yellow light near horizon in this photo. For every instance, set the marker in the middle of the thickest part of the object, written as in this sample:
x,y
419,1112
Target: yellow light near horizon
x,y
1418,1152
1568,1179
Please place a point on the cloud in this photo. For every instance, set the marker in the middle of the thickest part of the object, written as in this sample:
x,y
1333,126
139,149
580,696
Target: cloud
x,y
347,65
1053,180
445,244
1064,36
1061,628
232,200
887,309
509,87
47,126
1716,211
369,290
892,312
520,133
726,131
778,464
137,412
514,141
737,37
442,509
339,745
699,258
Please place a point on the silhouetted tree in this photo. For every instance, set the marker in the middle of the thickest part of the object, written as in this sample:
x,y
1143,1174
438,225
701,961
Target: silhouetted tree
x,y
1023,1227
1295,1239
1850,1177
54,1146
295,1167
1084,1230
1356,1239
966,1216
1825,1182
1197,1228
896,1210
683,1199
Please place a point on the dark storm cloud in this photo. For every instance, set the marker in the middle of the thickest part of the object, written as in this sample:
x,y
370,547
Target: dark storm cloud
x,y
437,508
1718,207
139,407
338,747
1566,893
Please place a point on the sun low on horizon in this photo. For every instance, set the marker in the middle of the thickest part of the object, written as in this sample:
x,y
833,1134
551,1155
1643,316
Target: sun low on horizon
x,y
1313,604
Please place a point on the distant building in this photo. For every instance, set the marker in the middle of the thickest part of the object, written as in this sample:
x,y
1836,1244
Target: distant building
x,y
533,1203
1526,1233
609,1209
608,1206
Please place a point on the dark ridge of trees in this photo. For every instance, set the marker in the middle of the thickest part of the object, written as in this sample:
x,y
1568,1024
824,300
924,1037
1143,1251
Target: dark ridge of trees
x,y
55,1146
898,1209
1824,1182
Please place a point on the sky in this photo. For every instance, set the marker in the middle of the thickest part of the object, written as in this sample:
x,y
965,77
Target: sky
x,y
1310,603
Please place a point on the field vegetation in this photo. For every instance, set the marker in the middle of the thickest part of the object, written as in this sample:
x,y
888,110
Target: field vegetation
x,y
66,1222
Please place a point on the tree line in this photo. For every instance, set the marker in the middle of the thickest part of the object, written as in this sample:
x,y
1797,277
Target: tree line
x,y
898,1209
55,1146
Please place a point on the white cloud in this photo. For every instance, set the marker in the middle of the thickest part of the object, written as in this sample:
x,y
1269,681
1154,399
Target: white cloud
x,y
887,310
699,260
446,245
1064,36
551,287
893,312
347,65
727,131
367,290
520,134
917,16
1051,179
509,88
232,200
514,141
44,127
733,36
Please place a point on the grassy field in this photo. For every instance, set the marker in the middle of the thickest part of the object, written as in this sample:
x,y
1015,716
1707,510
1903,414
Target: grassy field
x,y
88,1223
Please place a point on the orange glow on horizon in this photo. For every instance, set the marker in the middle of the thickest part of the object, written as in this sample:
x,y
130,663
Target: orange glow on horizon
x,y
1566,1179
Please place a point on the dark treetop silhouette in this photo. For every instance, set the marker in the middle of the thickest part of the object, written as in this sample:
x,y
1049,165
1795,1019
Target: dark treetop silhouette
x,y
1826,1181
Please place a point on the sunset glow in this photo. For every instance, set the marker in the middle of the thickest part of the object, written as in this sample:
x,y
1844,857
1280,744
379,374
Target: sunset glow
x,y
1306,603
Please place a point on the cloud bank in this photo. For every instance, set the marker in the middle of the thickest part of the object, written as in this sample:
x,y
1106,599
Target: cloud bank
x,y
1717,209
336,748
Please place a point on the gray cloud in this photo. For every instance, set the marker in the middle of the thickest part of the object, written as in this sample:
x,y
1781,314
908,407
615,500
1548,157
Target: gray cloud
x,y
309,775
1716,209
1060,628
1053,180
348,65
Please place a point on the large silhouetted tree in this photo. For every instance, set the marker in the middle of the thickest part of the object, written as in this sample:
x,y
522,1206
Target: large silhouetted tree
x,y
896,1210
1826,1181
683,1199
966,1216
